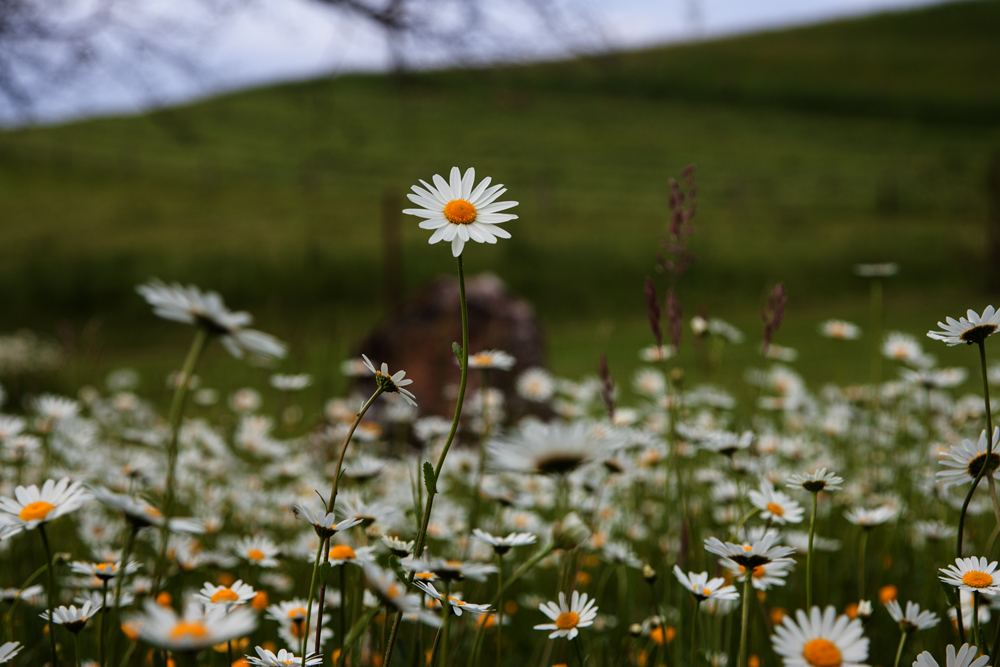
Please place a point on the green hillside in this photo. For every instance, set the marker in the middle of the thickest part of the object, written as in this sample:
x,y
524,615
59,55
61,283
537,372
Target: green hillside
x,y
816,148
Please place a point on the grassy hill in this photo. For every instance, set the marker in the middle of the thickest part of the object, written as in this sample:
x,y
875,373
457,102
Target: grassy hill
x,y
818,147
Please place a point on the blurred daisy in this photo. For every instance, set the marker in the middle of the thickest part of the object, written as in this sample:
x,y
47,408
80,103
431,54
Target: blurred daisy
x,y
457,605
964,462
840,329
11,649
568,619
102,571
206,309
71,618
394,595
325,524
227,596
966,657
32,506
492,359
291,382
656,353
56,408
141,514
459,211
820,639
868,519
883,270
258,551
282,658
341,554
451,570
913,619
763,577
819,480
195,630
397,547
973,575
391,384
536,385
703,588
970,329
753,555
902,347
550,449
502,545
775,505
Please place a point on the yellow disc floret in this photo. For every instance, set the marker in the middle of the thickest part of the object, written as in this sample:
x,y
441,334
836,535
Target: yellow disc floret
x,y
775,509
189,630
975,579
821,653
460,212
36,511
567,620
225,595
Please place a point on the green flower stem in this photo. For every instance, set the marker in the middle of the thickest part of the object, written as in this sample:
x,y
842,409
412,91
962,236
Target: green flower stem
x,y
325,543
52,593
747,590
418,549
176,417
312,589
985,466
862,549
694,633
481,471
76,647
112,628
899,651
518,573
343,606
809,553
9,625
876,316
446,604
499,606
975,619
102,620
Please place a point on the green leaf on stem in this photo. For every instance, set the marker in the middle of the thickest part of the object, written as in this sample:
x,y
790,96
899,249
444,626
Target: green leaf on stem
x,y
430,481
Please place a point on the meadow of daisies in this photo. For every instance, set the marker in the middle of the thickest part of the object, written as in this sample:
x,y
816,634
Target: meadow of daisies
x,y
817,526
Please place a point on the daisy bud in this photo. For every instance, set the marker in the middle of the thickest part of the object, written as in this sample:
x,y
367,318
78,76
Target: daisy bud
x,y
865,610
649,574
570,533
635,629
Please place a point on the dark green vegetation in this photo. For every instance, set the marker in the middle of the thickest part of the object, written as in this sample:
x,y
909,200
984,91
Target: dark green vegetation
x,y
862,140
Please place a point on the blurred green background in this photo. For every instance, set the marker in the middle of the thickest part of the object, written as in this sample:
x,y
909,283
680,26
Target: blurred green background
x,y
855,141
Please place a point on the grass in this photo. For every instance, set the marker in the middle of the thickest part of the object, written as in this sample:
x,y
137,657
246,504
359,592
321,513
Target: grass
x,y
818,147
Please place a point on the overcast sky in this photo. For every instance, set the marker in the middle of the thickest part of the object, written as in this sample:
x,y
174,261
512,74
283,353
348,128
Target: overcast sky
x,y
278,40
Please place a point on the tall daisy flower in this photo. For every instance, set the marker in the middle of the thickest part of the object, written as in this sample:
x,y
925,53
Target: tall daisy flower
x,y
820,639
258,551
702,588
814,482
457,606
226,596
282,658
501,545
774,505
488,359
459,211
973,575
964,462
193,631
973,328
390,384
31,507
965,657
910,621
567,619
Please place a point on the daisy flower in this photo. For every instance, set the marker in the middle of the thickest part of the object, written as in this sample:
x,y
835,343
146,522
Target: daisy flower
x,y
913,619
193,631
457,605
206,309
282,658
902,347
391,384
324,523
502,545
394,595
752,555
819,480
291,382
568,619
341,554
868,519
552,449
966,657
763,576
103,571
258,551
703,588
973,575
536,385
11,649
56,408
458,210
970,329
71,618
656,353
964,462
451,570
820,639
32,506
227,596
141,514
397,547
840,329
775,505
492,359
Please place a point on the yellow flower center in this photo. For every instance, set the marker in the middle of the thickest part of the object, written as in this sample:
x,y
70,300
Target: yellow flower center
x,y
747,548
225,595
758,571
460,212
976,579
567,620
36,511
775,509
341,552
189,630
153,512
105,568
821,653
297,614
706,591
255,554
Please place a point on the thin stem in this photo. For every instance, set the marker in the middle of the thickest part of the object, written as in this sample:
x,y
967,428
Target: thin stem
x,y
899,651
176,417
52,593
343,606
418,549
325,543
809,553
862,548
312,589
447,624
986,460
76,647
746,619
975,619
694,633
17,599
103,618
579,653
112,628
435,646
499,605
